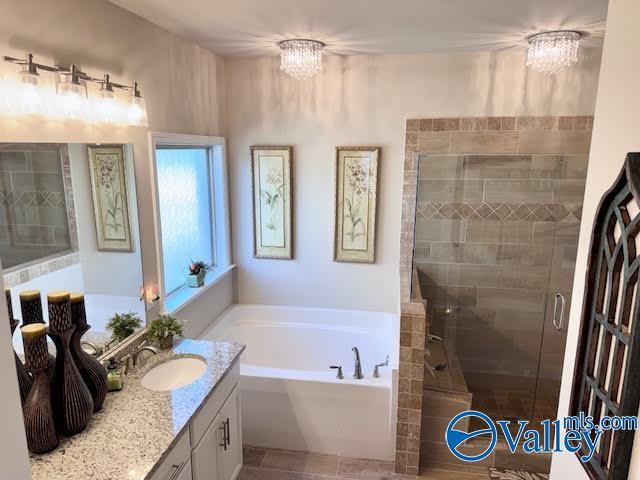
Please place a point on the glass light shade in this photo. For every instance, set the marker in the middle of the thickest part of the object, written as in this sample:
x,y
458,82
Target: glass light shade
x,y
552,52
73,100
137,112
29,96
107,108
301,58
8,106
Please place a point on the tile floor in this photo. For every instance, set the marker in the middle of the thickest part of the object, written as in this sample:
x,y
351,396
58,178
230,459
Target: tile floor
x,y
266,464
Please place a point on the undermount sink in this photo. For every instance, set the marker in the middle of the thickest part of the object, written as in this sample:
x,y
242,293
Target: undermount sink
x,y
174,373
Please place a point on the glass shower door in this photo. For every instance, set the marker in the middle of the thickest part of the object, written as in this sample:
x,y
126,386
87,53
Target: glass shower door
x,y
484,242
565,246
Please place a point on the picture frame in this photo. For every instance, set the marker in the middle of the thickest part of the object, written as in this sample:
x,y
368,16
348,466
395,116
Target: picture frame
x,y
271,180
109,188
356,204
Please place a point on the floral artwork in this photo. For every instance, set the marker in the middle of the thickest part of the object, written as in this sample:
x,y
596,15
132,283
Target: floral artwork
x,y
110,202
271,169
357,175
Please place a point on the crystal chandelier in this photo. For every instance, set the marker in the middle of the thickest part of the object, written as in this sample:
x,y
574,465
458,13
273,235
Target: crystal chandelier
x,y
551,52
301,58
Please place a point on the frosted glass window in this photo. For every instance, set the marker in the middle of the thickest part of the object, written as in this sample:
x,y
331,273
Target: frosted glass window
x,y
186,219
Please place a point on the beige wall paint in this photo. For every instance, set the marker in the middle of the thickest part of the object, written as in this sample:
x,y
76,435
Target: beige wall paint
x,y
182,83
616,132
364,100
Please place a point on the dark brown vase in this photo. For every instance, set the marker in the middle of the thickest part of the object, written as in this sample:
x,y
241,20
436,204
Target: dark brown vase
x,y
31,308
38,415
24,377
70,398
91,370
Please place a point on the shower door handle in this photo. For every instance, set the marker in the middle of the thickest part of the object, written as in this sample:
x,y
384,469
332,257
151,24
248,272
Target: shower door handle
x,y
557,324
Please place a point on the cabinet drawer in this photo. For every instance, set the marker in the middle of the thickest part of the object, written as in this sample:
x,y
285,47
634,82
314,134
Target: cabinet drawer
x,y
203,419
177,458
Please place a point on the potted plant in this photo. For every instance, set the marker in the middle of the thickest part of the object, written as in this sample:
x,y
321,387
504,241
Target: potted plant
x,y
123,324
197,272
162,330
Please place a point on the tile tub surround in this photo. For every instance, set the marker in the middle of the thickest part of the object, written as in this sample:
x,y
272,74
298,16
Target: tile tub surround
x,y
269,464
508,135
136,427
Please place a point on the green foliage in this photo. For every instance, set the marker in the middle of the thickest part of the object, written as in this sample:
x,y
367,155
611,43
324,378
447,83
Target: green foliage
x,y
163,327
124,324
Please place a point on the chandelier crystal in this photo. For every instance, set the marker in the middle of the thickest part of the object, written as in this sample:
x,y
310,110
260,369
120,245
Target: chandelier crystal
x,y
301,58
551,52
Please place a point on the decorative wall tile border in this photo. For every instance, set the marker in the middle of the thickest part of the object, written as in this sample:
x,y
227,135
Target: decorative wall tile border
x,y
505,212
14,198
30,271
460,135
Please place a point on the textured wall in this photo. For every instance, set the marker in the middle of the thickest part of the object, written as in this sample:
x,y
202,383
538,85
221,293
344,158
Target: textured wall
x,y
364,100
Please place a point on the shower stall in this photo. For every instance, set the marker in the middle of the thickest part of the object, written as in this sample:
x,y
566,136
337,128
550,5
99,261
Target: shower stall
x,y
495,245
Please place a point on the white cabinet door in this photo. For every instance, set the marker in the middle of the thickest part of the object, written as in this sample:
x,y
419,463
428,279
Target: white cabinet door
x,y
205,456
231,450
185,473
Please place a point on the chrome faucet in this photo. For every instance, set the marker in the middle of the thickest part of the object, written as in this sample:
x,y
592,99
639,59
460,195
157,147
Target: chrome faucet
x,y
357,372
131,361
141,349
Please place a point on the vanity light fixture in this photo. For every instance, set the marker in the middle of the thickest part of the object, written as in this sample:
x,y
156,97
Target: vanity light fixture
x,y
71,99
301,58
552,52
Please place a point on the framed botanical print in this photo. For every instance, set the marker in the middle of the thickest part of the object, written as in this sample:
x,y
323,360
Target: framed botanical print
x,y
356,198
272,210
110,199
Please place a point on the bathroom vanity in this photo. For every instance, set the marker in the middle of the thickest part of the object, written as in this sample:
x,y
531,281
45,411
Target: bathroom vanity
x,y
190,432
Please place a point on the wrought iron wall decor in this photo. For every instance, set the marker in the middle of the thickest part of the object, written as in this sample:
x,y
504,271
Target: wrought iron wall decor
x,y
607,374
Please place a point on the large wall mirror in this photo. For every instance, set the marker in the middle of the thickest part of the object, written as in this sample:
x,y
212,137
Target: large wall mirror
x,y
69,220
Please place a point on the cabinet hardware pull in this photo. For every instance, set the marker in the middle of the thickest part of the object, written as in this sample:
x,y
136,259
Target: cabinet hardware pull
x,y
176,469
224,435
228,432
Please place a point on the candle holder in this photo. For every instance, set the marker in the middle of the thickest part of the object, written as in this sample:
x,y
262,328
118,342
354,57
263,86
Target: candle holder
x,y
31,307
91,370
24,377
37,411
70,398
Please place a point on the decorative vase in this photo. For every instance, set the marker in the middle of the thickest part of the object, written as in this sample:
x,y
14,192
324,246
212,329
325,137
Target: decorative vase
x,y
24,377
31,307
196,281
91,370
38,415
70,398
166,342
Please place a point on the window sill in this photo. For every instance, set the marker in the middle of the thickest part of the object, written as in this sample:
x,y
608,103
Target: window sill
x,y
183,297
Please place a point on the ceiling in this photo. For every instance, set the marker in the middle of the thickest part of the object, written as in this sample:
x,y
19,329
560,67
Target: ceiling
x,y
253,27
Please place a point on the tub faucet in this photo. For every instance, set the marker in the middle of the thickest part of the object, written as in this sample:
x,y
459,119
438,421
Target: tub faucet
x,y
357,372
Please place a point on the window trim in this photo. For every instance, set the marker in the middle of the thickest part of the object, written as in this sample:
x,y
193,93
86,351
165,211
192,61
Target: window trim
x,y
219,199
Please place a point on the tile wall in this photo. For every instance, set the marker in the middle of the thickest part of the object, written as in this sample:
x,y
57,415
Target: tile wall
x,y
37,216
483,218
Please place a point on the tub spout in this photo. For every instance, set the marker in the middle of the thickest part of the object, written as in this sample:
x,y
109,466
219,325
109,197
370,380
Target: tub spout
x,y
357,371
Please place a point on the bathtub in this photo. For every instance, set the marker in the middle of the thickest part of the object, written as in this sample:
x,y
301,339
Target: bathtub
x,y
290,397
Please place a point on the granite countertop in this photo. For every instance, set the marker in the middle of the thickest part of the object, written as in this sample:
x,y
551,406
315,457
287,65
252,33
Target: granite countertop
x,y
136,426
